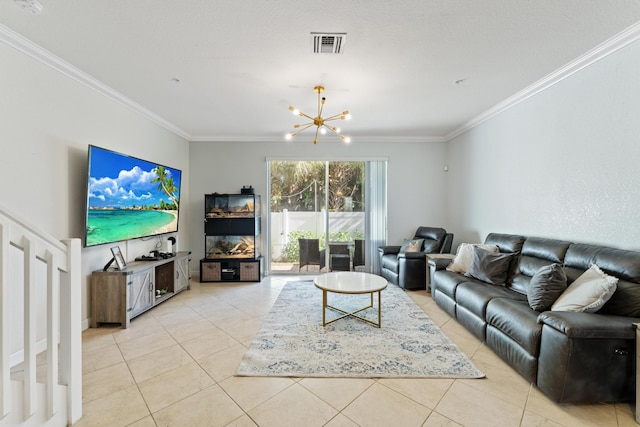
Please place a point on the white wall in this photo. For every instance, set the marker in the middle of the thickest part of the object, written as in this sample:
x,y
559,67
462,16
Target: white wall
x,y
416,187
562,164
47,122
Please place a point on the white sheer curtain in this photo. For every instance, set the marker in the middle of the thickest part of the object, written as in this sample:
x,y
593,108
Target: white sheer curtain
x,y
376,202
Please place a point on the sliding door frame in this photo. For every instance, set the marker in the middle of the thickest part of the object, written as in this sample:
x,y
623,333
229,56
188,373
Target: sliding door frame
x,y
375,205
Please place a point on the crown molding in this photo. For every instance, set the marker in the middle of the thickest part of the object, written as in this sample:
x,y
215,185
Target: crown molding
x,y
37,52
601,51
373,138
624,38
384,138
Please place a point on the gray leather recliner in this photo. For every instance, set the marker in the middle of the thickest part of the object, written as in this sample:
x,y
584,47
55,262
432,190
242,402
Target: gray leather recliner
x,y
408,269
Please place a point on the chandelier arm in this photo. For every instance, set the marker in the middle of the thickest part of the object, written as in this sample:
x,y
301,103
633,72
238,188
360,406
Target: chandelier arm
x,y
331,129
304,127
336,117
315,138
343,137
305,115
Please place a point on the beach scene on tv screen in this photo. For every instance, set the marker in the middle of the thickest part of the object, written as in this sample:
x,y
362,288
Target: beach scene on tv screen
x,y
129,198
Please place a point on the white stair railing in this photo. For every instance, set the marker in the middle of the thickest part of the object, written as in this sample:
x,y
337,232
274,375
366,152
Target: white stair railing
x,y
62,263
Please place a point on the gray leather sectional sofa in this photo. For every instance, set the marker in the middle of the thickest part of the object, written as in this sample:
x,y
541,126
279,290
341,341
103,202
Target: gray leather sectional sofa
x,y
570,356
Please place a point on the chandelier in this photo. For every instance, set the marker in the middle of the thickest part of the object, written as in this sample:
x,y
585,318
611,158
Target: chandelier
x,y
319,122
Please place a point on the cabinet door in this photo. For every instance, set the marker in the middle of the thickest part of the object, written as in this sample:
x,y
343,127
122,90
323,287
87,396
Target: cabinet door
x,y
140,292
182,274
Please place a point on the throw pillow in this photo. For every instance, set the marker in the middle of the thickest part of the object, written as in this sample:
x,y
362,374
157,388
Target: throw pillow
x,y
414,245
464,256
490,267
588,293
546,285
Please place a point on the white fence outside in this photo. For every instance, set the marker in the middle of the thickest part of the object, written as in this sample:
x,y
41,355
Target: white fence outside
x,y
282,223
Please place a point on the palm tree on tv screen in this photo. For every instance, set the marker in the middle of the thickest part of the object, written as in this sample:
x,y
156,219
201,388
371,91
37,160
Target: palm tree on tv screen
x,y
166,184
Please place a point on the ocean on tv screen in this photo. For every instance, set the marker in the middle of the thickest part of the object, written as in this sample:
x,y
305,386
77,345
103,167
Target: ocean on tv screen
x,y
113,225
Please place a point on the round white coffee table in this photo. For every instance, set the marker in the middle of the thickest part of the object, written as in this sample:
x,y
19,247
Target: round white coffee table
x,y
348,282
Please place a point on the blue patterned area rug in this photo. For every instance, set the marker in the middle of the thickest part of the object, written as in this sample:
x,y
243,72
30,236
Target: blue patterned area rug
x,y
293,342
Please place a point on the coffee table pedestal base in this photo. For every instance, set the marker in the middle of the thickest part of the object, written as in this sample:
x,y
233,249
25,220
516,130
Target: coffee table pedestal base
x,y
325,306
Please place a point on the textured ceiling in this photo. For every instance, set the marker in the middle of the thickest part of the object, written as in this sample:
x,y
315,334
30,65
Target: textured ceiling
x,y
241,63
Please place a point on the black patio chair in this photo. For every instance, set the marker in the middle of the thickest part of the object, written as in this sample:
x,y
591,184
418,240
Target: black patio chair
x,y
310,253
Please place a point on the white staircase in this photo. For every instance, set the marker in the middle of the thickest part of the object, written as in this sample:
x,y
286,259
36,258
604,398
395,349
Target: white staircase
x,y
40,313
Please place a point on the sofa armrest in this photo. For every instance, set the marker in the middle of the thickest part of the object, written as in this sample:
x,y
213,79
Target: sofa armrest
x,y
413,255
385,250
586,357
436,264
589,325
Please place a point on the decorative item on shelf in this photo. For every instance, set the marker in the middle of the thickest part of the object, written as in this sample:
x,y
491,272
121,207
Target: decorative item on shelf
x,y
117,256
319,122
247,190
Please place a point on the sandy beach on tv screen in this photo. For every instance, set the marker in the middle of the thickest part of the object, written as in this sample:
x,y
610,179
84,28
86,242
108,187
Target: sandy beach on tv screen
x,y
170,227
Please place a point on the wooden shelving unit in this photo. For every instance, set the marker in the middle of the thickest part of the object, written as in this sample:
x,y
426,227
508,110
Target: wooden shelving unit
x,y
117,296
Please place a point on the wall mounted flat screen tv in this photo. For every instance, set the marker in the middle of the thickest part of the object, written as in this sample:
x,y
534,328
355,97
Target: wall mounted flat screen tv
x,y
129,198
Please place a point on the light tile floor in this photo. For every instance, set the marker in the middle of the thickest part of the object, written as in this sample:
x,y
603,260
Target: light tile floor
x,y
175,366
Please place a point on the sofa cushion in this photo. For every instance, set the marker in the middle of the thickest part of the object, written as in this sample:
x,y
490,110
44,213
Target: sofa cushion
x,y
546,285
430,233
516,320
621,263
389,262
537,252
506,243
414,245
446,282
489,267
431,246
475,295
618,262
625,301
464,256
517,357
433,238
588,293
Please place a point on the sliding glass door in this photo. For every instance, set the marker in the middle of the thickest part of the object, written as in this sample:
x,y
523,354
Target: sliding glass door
x,y
320,216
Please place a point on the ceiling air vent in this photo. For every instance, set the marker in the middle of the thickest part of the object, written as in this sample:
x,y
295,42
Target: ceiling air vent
x,y
328,43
